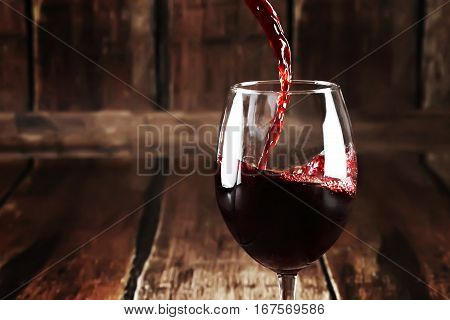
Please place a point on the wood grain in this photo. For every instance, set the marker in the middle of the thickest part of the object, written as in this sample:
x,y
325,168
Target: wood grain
x,y
13,57
403,214
330,36
436,56
64,204
115,134
116,35
194,256
213,45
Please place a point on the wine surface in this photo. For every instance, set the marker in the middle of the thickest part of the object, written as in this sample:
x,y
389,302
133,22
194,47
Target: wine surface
x,y
286,220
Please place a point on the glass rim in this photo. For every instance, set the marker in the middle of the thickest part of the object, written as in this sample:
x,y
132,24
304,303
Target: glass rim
x,y
322,87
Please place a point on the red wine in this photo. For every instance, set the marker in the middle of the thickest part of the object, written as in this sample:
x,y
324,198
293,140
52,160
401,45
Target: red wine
x,y
283,233
268,18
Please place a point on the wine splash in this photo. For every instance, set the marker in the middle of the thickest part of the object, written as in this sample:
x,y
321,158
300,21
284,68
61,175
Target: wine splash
x,y
268,19
314,173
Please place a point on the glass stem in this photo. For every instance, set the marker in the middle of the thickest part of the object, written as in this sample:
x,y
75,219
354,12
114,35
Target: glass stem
x,y
287,283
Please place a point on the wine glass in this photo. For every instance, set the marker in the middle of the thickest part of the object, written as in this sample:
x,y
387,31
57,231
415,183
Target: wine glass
x,y
286,210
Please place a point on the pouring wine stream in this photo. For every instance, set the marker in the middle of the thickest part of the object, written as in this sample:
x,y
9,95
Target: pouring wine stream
x,y
268,19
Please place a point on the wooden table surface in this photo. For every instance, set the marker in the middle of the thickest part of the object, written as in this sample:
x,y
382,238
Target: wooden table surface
x,y
94,229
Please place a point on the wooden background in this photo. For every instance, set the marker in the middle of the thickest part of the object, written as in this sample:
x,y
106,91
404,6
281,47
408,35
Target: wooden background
x,y
78,76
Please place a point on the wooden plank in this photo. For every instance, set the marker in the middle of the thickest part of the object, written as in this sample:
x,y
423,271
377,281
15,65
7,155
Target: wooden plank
x,y
117,35
13,57
11,174
194,256
439,163
435,79
63,205
403,214
107,134
436,56
330,36
211,46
